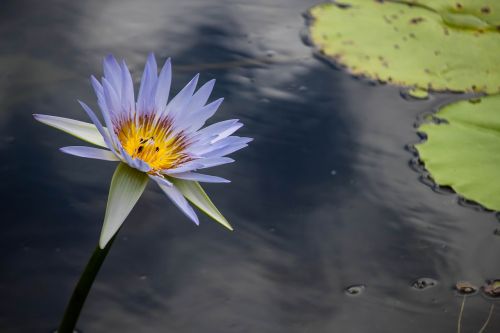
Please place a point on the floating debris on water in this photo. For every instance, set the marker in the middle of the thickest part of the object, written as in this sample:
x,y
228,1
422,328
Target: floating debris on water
x,y
492,288
355,290
424,283
465,288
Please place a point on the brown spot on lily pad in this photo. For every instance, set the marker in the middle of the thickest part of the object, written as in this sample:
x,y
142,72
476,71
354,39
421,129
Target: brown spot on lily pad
x,y
475,100
416,20
485,10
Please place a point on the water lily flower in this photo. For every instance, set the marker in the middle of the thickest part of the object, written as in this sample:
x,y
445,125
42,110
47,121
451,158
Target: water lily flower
x,y
153,139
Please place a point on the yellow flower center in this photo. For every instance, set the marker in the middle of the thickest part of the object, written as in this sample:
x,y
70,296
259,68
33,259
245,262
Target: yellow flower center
x,y
153,143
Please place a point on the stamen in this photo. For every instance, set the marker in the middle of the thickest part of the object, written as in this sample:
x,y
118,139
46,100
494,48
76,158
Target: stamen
x,y
144,139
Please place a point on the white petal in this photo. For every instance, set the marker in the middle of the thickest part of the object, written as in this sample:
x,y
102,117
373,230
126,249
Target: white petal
x,y
126,188
197,196
90,152
82,130
176,196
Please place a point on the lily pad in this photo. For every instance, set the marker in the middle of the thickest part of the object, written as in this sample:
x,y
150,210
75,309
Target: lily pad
x,y
439,45
462,151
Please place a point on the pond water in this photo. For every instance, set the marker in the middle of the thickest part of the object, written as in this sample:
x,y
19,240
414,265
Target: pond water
x,y
334,231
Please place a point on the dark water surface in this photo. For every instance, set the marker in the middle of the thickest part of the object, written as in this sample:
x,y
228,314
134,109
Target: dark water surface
x,y
322,200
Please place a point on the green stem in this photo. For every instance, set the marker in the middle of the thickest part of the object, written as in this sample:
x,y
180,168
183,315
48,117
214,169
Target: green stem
x,y
82,289
488,319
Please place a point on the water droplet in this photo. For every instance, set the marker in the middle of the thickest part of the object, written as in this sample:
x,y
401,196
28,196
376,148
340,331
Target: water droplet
x,y
355,290
424,283
333,172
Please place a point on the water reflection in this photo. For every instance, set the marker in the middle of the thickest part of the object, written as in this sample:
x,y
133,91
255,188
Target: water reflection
x,y
302,235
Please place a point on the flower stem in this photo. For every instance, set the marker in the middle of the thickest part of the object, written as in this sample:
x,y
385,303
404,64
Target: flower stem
x,y
75,305
459,323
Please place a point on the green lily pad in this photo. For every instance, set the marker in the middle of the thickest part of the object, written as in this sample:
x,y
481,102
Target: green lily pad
x,y
440,45
463,151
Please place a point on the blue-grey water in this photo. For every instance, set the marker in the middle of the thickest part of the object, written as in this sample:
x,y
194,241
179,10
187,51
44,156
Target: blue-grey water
x,y
324,199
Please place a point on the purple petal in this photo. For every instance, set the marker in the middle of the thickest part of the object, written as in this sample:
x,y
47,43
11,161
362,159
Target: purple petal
x,y
199,177
178,104
97,124
148,84
217,131
112,100
178,199
160,179
214,161
134,163
112,73
90,152
226,150
163,86
200,98
127,90
189,166
198,118
203,150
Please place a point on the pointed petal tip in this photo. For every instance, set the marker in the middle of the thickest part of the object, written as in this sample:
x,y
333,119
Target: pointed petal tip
x,y
151,58
109,58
